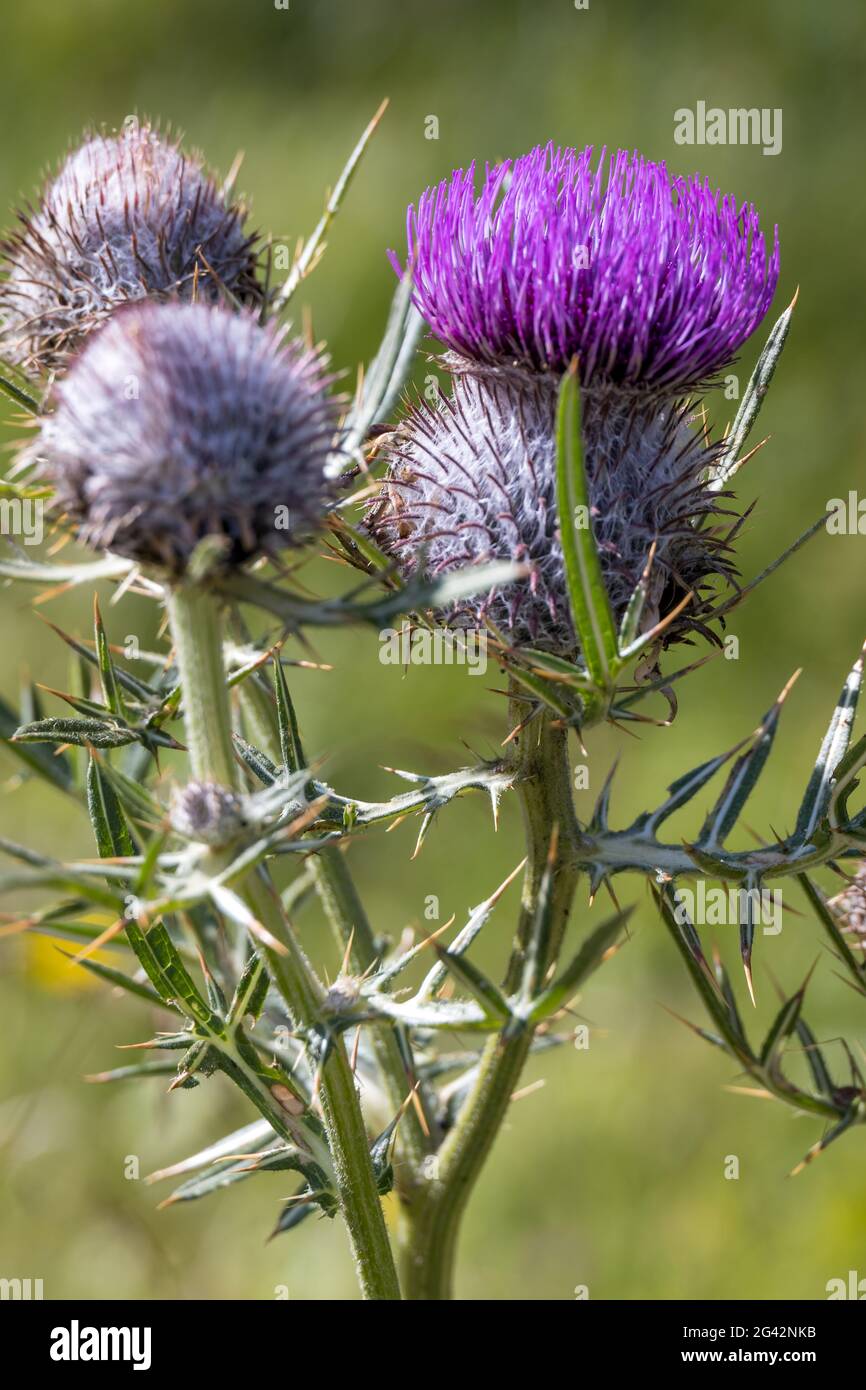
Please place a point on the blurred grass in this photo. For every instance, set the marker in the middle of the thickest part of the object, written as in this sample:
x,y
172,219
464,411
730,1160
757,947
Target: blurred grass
x,y
612,1174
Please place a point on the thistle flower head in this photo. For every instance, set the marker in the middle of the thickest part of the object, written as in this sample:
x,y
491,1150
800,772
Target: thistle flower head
x,y
182,422
471,479
651,279
207,812
128,216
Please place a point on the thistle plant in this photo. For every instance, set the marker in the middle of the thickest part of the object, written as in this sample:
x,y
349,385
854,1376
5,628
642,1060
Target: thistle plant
x,y
565,495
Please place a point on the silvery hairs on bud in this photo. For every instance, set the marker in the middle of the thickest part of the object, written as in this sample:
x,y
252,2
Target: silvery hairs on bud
x,y
207,813
653,282
178,423
127,217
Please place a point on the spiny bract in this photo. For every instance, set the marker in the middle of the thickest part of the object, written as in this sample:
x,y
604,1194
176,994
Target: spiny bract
x,y
128,216
182,422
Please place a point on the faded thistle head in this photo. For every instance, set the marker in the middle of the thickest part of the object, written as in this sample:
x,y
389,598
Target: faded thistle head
x,y
179,423
128,216
653,283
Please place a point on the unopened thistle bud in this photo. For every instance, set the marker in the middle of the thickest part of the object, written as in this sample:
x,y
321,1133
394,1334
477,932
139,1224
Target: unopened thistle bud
x,y
127,217
179,423
849,906
207,813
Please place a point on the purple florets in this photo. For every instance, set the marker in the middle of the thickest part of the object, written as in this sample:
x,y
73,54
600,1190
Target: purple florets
x,y
127,217
181,422
651,279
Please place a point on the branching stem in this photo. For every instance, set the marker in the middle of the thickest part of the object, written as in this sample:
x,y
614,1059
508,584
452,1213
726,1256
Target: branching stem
x,y
195,624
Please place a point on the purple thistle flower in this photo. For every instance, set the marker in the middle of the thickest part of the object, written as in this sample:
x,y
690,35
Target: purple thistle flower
x,y
179,422
472,479
651,279
128,216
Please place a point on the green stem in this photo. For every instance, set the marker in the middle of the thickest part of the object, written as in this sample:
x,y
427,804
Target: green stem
x,y
433,1225
195,624
195,627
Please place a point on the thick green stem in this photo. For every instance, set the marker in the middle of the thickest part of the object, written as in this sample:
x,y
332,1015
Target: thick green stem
x,y
432,1229
195,624
195,628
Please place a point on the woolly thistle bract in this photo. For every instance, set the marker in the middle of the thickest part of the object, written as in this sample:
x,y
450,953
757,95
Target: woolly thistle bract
x,y
471,479
179,423
127,217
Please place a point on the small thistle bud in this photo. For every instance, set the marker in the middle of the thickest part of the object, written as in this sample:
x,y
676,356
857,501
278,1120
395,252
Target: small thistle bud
x,y
471,479
849,906
650,279
127,217
208,813
342,996
183,422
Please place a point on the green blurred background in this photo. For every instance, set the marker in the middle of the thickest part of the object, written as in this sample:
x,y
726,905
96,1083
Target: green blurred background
x,y
612,1174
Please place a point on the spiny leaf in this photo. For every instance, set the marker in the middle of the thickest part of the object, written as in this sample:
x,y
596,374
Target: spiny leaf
x,y
54,767
833,931
783,1025
588,597
111,690
538,946
383,381
824,1083
258,762
590,956
135,1072
742,778
251,992
78,731
20,397
112,567
315,244
682,791
491,999
142,692
113,837
478,918
628,628
290,738
118,978
700,973
752,401
833,749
